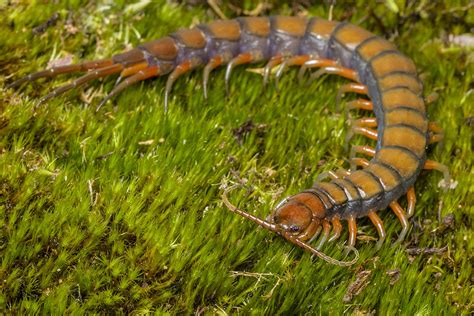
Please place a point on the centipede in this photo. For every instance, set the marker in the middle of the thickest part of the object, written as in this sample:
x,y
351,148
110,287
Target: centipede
x,y
385,79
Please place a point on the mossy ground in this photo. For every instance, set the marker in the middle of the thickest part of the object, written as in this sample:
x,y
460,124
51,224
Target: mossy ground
x,y
120,210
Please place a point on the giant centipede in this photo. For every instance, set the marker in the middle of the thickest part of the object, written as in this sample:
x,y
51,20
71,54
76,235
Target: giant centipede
x,y
377,70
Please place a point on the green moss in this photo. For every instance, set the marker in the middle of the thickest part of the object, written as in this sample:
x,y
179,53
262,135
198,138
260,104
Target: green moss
x,y
121,209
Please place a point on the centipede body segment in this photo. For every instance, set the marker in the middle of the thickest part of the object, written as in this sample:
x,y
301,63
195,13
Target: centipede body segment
x,y
378,71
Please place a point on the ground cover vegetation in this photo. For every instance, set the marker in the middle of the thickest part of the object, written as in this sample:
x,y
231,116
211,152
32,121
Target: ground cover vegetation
x,y
120,209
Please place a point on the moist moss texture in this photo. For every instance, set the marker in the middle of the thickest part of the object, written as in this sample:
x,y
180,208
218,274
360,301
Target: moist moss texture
x,y
120,211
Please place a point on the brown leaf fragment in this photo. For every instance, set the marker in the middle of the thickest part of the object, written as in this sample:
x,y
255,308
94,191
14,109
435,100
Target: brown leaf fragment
x,y
426,251
356,287
394,275
448,221
247,128
40,29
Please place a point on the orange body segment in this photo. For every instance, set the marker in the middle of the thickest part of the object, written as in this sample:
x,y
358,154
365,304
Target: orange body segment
x,y
401,97
225,29
405,163
322,28
400,79
404,136
351,35
192,38
388,178
333,191
164,48
374,47
256,25
366,183
294,26
406,116
384,64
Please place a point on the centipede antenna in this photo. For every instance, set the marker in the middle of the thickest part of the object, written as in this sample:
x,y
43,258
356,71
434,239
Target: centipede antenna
x,y
322,255
233,208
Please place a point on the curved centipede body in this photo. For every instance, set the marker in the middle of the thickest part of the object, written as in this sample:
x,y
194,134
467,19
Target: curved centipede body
x,y
377,69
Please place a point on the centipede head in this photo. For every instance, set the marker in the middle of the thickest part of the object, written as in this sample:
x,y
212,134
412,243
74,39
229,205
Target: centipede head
x,y
299,216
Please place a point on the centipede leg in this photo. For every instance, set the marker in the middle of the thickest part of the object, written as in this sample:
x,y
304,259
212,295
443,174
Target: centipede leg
x,y
352,226
361,123
292,61
315,63
350,87
325,236
337,227
335,70
178,71
316,234
411,198
274,61
378,223
52,72
328,174
434,165
435,128
215,62
400,213
367,132
437,133
365,122
130,71
432,97
139,76
361,104
99,73
436,138
244,58
357,161
332,175
366,150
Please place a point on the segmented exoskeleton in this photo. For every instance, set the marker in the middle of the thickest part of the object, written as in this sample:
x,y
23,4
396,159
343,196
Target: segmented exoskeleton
x,y
377,70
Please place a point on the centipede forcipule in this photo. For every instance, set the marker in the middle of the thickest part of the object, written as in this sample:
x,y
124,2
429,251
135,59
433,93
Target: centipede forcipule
x,y
378,70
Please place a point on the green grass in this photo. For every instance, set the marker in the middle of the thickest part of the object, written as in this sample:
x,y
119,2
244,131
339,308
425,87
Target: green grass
x,y
120,210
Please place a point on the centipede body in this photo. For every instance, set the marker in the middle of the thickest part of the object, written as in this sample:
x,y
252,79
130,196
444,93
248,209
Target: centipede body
x,y
376,67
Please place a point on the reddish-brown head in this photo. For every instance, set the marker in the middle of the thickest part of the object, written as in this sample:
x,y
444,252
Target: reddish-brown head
x,y
299,215
297,218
